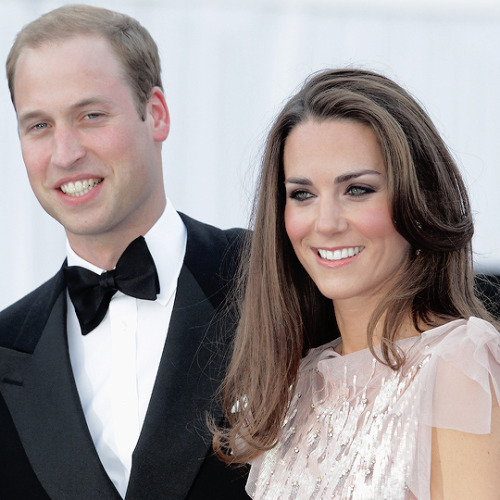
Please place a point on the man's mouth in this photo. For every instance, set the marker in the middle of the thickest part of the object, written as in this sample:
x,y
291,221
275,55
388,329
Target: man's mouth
x,y
79,188
339,254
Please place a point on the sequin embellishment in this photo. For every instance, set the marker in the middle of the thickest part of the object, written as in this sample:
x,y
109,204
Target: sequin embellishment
x,y
347,435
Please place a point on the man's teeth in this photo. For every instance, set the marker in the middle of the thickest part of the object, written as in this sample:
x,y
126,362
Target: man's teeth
x,y
343,253
79,188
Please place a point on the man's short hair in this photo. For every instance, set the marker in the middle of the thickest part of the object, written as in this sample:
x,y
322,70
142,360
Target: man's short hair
x,y
131,42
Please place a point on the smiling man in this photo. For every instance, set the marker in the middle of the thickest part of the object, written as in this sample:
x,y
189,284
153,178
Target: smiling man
x,y
109,368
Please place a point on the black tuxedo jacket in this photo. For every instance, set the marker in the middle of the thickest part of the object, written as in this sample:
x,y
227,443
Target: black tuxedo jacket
x,y
46,450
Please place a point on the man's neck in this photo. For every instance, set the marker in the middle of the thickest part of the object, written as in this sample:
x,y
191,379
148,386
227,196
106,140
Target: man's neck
x,y
104,251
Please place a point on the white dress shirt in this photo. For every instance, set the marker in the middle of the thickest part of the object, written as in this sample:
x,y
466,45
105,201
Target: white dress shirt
x,y
115,365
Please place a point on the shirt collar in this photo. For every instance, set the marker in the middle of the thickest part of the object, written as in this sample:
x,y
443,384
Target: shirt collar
x,y
167,243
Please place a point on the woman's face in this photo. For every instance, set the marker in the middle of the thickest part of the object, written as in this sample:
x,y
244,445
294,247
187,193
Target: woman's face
x,y
337,212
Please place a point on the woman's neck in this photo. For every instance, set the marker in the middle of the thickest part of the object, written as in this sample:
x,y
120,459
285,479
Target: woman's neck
x,y
353,320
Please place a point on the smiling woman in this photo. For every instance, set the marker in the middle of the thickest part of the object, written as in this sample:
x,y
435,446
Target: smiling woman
x,y
362,227
337,212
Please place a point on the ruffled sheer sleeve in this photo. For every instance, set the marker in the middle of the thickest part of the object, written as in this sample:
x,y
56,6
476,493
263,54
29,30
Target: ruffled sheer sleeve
x,y
457,386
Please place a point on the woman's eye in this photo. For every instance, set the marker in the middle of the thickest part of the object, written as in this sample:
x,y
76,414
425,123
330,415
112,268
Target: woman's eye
x,y
359,190
300,195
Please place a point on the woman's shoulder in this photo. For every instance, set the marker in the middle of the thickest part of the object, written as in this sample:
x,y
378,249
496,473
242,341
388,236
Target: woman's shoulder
x,y
314,355
462,368
470,333
461,336
461,325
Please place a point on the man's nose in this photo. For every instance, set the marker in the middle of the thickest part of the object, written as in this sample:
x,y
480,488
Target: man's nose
x,y
66,148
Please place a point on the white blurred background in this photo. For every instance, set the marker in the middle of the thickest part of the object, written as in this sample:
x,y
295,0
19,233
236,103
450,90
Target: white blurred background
x,y
228,67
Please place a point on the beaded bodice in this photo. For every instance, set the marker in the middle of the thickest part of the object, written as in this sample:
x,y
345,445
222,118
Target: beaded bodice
x,y
357,429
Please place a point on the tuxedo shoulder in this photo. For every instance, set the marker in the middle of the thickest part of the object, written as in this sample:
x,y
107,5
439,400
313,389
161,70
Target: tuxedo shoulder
x,y
211,237
29,313
213,256
212,248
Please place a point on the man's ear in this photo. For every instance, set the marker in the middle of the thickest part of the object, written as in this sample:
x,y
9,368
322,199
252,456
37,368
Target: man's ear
x,y
157,109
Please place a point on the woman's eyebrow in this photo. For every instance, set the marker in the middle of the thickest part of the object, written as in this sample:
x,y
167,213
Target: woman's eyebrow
x,y
302,181
353,175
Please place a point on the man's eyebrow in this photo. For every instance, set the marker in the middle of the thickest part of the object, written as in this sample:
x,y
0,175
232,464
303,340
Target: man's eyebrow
x,y
39,114
29,115
91,101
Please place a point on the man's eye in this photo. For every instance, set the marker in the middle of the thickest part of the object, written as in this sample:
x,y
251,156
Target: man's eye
x,y
40,126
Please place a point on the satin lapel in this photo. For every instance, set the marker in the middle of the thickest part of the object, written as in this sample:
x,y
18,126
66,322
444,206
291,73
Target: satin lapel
x,y
174,440
40,392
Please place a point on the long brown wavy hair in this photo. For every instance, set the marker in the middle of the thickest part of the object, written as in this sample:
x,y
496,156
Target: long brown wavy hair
x,y
283,314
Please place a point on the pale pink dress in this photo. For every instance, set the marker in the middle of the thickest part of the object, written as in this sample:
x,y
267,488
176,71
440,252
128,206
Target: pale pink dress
x,y
358,430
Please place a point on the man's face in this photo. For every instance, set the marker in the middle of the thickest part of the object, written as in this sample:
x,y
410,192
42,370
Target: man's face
x,y
93,164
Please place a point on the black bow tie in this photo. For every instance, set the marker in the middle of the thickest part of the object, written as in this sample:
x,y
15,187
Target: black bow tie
x,y
134,275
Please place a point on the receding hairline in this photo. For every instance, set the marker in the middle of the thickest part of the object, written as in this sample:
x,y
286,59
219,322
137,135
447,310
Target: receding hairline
x,y
63,23
58,41
130,41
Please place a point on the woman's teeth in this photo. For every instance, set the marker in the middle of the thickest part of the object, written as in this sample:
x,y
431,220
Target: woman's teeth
x,y
339,254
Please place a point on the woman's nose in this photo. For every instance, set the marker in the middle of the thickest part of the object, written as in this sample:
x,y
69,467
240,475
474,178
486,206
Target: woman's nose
x,y
330,218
